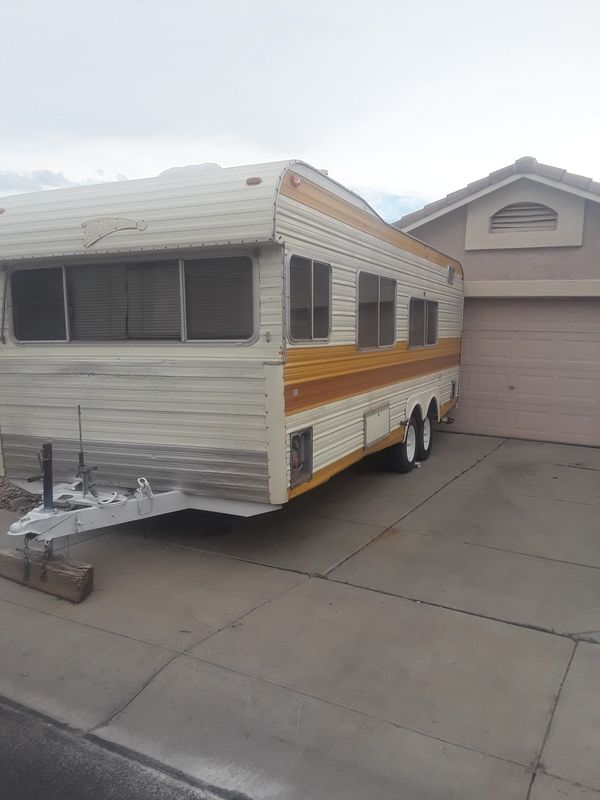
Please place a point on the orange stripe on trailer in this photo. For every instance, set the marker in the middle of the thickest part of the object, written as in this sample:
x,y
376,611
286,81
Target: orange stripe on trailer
x,y
314,376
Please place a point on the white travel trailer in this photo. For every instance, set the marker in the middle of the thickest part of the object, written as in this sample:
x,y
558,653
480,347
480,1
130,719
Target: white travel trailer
x,y
230,337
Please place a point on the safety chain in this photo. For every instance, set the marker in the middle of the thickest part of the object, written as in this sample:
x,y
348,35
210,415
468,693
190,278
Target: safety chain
x,y
45,557
26,559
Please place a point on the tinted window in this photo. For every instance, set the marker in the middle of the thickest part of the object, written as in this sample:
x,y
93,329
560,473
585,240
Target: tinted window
x,y
387,311
432,323
376,311
321,300
310,299
422,322
416,322
368,310
219,298
300,298
38,305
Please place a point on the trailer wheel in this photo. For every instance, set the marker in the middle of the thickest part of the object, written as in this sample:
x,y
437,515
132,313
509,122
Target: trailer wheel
x,y
425,439
403,456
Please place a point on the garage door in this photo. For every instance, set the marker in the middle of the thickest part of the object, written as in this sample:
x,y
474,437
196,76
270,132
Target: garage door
x,y
531,369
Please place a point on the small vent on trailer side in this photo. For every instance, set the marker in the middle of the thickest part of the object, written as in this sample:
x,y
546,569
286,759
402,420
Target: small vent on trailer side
x,y
524,217
300,457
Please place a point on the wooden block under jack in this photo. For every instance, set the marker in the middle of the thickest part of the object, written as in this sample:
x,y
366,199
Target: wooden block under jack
x,y
67,579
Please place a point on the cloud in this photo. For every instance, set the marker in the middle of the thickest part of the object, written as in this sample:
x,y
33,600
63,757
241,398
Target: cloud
x,y
12,182
392,206
20,182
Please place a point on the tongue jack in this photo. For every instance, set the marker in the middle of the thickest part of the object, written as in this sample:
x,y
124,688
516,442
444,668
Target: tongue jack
x,y
84,472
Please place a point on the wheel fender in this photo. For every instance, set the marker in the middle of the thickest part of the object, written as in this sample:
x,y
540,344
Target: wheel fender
x,y
433,397
413,403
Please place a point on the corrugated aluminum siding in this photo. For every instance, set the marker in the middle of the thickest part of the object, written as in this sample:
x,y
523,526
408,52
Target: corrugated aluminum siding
x,y
179,211
146,402
338,427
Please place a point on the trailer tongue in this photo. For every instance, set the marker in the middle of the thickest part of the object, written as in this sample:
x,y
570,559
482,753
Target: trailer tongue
x,y
77,507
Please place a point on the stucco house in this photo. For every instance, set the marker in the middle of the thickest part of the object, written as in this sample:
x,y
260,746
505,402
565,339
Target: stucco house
x,y
528,236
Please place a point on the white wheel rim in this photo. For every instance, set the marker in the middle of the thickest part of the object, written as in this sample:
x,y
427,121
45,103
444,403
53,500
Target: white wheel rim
x,y
426,433
411,442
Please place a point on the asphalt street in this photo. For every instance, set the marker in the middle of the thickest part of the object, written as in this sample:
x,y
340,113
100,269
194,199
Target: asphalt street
x,y
43,761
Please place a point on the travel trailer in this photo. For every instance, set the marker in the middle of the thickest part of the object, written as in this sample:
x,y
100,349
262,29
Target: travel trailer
x,y
219,339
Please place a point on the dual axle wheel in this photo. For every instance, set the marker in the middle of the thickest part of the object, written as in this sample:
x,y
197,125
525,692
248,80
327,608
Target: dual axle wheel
x,y
417,445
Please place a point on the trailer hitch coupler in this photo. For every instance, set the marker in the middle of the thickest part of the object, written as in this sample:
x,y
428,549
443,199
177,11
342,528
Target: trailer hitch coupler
x,y
47,476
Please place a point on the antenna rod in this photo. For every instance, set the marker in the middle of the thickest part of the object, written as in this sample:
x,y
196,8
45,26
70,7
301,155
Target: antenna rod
x,y
81,458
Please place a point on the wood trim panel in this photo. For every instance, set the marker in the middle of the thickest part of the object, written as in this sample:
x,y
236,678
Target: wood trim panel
x,y
314,196
447,407
314,376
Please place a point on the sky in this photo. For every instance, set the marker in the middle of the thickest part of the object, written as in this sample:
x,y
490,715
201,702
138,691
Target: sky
x,y
401,101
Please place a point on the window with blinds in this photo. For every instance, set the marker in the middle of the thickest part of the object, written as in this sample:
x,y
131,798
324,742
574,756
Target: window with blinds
x,y
136,301
124,301
310,299
38,304
422,322
524,217
219,299
376,311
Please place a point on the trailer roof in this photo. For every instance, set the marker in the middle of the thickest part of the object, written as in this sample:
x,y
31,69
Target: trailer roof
x,y
182,208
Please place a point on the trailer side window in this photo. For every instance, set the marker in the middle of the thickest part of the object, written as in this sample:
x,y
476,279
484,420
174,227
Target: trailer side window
x,y
124,301
376,311
38,305
219,299
310,299
422,322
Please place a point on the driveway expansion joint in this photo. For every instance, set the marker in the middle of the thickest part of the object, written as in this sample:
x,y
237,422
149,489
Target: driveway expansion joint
x,y
358,711
574,637
538,761
413,509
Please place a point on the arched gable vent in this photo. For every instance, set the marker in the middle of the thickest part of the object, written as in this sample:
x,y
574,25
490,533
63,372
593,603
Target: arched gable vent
x,y
524,217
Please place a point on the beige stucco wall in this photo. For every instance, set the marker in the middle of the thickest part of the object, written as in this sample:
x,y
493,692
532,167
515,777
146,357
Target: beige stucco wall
x,y
447,233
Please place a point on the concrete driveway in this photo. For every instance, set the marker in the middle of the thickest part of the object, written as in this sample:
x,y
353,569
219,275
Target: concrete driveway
x,y
427,636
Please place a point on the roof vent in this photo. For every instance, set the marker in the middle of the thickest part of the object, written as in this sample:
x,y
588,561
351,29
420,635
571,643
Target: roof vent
x,y
191,171
524,217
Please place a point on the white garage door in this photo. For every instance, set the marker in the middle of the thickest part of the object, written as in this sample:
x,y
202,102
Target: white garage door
x,y
531,369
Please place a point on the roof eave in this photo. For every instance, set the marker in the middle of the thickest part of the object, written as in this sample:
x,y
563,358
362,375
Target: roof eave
x,y
469,198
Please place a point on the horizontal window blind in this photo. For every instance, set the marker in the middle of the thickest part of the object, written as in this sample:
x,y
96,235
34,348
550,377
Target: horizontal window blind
x,y
153,301
97,301
219,298
140,301
38,305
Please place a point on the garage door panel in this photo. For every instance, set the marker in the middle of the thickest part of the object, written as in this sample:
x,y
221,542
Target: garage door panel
x,y
537,388
580,351
531,423
575,425
484,417
578,389
535,350
482,382
549,351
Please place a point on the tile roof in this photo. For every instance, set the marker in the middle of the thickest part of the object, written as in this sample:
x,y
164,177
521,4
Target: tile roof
x,y
522,166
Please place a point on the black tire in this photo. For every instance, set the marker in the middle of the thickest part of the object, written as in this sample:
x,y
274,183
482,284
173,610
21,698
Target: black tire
x,y
402,456
423,450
